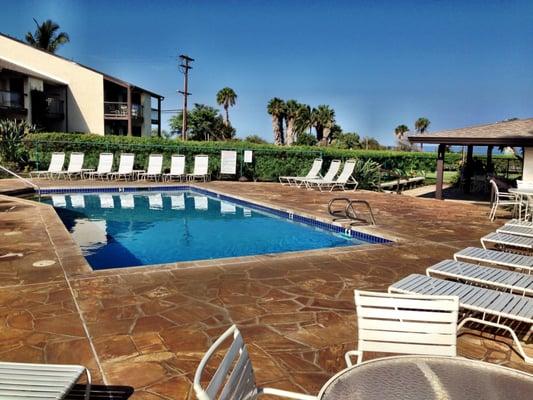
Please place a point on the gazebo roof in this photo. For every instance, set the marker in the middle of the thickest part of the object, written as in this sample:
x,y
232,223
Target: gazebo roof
x,y
517,132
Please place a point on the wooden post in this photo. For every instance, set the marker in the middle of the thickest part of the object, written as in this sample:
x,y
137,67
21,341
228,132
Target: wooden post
x,y
468,168
159,116
490,167
129,111
440,171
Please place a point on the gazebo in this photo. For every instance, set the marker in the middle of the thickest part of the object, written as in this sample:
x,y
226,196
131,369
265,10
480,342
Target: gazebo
x,y
510,133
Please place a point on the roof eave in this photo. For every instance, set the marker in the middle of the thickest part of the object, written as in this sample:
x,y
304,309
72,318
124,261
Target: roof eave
x,y
459,141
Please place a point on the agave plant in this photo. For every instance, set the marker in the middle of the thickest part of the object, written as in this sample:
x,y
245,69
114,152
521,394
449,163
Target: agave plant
x,y
367,173
12,134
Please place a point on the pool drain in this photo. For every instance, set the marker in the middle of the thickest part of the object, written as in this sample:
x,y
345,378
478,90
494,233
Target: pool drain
x,y
44,263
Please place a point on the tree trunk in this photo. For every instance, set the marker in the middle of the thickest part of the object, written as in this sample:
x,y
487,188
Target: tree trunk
x,y
226,121
278,138
319,133
326,137
289,133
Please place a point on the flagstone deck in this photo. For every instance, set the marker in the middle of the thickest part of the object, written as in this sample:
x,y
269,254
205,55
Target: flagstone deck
x,y
148,327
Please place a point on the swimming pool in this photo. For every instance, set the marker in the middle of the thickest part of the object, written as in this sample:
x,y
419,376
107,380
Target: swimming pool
x,y
117,230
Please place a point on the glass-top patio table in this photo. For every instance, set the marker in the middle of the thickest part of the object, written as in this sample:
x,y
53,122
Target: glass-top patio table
x,y
527,193
428,378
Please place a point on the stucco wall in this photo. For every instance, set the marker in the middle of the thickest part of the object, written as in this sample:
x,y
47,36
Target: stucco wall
x,y
85,87
528,164
146,101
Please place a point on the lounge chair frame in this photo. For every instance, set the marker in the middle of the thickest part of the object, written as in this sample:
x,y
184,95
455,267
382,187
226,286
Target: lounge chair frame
x,y
56,165
125,167
177,168
154,169
200,168
314,173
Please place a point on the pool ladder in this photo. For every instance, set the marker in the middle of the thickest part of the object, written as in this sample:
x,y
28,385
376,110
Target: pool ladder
x,y
24,180
348,212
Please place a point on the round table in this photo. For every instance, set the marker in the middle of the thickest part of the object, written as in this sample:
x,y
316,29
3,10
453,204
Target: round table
x,y
428,378
522,192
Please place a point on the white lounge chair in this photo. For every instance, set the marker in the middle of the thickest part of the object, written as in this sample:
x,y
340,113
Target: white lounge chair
x,y
125,167
503,240
517,222
155,167
516,230
56,165
127,201
499,199
494,257
228,162
177,168
499,279
40,381
234,378
330,175
487,303
75,166
407,324
314,173
105,166
200,170
345,178
177,201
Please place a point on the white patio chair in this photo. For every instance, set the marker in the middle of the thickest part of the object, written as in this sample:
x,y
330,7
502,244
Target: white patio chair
x,y
75,166
105,166
345,178
155,167
501,200
488,307
177,168
494,257
40,381
201,167
407,324
125,167
228,162
314,173
56,165
330,175
234,378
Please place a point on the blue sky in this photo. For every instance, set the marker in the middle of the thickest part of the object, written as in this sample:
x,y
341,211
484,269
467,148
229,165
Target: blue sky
x,y
377,63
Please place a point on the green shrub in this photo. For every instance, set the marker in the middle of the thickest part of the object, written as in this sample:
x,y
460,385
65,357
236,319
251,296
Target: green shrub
x,y
12,151
269,163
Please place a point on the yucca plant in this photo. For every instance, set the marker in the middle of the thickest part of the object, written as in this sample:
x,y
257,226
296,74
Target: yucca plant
x,y
367,173
12,149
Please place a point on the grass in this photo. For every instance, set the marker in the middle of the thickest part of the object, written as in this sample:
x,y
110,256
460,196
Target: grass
x,y
449,177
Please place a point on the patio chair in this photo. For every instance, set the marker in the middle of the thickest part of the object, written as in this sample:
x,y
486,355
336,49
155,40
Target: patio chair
x,y
155,166
228,162
499,199
40,381
200,170
75,166
125,167
405,323
345,178
494,257
331,173
177,168
508,309
517,222
499,279
234,378
105,166
314,173
516,230
56,165
503,240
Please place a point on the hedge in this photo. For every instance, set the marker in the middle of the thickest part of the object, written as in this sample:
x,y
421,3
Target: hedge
x,y
270,161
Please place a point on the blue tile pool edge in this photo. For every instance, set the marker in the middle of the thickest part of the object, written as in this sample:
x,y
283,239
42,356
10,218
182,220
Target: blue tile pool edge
x,y
313,222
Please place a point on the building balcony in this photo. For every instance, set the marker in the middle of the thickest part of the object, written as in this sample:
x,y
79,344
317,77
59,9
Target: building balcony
x,y
154,115
119,110
13,100
55,108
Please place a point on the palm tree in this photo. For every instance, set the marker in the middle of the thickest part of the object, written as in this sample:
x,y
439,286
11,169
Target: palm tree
x,y
276,108
226,98
46,36
323,118
400,133
302,120
421,125
291,112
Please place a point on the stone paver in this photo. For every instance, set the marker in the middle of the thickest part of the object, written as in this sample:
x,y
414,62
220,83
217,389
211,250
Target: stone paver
x,y
149,327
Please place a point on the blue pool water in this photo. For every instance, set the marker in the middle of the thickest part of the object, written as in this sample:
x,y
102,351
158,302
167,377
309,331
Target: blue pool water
x,y
121,230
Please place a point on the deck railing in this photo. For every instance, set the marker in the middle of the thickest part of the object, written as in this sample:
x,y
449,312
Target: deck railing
x,y
120,109
11,99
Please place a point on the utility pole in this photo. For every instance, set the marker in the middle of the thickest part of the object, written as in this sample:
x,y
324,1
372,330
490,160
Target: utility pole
x,y
184,69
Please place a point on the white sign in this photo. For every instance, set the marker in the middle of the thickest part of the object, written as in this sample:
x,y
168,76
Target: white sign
x,y
228,162
248,156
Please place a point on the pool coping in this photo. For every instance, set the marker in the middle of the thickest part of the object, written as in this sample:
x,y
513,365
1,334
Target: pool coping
x,y
85,270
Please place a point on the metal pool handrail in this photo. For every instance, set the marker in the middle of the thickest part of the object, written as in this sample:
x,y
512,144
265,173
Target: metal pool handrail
x,y
27,181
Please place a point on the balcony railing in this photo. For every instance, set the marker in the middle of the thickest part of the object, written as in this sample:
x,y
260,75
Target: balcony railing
x,y
55,108
11,99
120,109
